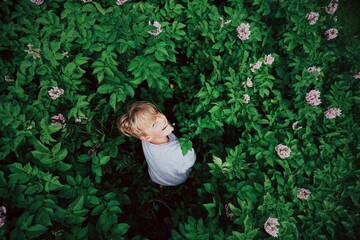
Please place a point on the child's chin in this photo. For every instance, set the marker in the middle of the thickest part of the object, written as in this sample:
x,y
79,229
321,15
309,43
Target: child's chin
x,y
171,129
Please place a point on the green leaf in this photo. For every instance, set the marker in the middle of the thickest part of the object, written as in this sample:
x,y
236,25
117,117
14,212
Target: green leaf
x,y
77,205
40,155
42,70
62,154
209,187
106,88
70,68
104,160
120,229
36,230
210,207
99,7
112,101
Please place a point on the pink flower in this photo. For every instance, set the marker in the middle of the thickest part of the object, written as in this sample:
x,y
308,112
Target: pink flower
x,y
312,98
331,33
314,69
257,65
228,212
246,98
357,76
243,31
332,113
303,194
268,59
332,7
312,17
121,2
77,120
55,92
295,126
37,2
158,29
2,216
270,226
58,120
283,151
248,83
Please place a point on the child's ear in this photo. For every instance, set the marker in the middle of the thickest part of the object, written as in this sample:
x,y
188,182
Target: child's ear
x,y
146,138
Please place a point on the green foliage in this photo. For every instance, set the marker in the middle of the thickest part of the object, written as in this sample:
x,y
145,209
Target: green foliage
x,y
81,179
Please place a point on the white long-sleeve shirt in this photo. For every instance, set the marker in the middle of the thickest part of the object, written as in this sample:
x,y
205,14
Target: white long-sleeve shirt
x,y
167,165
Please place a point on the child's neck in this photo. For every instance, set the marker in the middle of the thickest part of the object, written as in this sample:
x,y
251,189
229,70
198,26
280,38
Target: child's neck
x,y
160,140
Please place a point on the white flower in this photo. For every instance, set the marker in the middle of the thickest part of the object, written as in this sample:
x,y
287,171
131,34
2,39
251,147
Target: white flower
x,y
283,151
158,28
271,226
55,92
303,194
268,59
121,2
257,65
312,17
243,31
295,126
313,98
246,98
332,113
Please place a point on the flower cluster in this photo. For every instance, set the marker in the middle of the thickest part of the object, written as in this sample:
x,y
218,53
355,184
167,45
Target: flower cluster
x,y
314,69
228,212
158,28
270,226
331,33
295,126
2,216
58,120
86,1
121,2
223,22
257,65
243,31
246,98
37,2
248,83
313,98
303,194
312,17
283,151
55,92
268,59
332,113
331,7
35,52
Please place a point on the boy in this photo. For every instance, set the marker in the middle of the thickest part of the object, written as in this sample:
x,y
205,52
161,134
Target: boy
x,y
167,165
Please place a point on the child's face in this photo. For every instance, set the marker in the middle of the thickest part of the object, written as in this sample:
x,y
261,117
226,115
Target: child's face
x,y
159,129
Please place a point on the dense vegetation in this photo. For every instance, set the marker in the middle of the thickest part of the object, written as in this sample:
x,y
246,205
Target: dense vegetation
x,y
266,91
